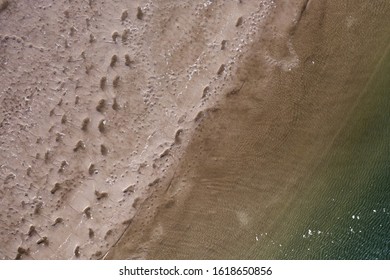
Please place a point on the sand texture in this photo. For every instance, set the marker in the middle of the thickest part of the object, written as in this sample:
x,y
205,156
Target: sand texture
x,y
98,101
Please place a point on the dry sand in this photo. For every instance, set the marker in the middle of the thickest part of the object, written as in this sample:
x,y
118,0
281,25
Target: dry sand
x,y
98,102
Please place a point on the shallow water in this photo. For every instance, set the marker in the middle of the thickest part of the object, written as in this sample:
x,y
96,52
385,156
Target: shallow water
x,y
344,210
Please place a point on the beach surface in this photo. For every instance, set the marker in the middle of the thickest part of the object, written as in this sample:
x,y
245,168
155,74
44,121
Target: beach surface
x,y
193,129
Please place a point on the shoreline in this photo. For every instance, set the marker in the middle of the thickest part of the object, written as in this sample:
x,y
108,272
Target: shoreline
x,y
109,102
176,129
210,210
143,237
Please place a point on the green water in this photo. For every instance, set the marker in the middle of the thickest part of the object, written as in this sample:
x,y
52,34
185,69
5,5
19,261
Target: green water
x,y
345,211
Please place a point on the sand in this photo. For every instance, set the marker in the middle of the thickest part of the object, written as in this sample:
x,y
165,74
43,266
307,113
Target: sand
x,y
98,102
163,128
